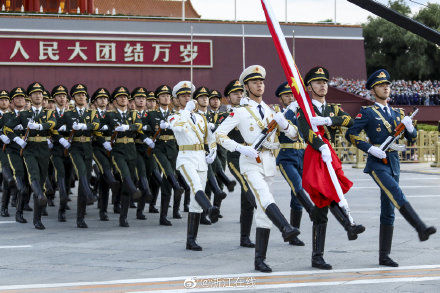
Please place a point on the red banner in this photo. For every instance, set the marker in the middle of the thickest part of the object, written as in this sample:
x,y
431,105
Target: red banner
x,y
95,51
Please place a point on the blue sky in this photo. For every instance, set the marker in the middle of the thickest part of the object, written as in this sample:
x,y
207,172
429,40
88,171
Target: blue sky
x,y
298,10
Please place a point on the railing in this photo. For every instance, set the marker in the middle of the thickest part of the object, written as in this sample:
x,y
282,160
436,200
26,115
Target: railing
x,y
426,148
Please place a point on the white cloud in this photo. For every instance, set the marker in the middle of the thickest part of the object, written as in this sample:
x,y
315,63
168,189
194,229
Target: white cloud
x,y
298,10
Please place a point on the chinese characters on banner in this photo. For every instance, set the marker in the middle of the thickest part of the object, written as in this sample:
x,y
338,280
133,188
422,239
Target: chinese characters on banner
x,y
119,52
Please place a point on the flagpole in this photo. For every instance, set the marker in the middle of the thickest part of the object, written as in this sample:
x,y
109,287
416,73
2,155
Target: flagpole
x,y
191,64
290,68
243,47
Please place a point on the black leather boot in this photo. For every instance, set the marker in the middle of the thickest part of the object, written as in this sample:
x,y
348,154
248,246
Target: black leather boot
x,y
37,215
81,210
246,217
213,185
274,214
414,220
206,205
178,190
50,192
305,201
318,261
204,219
155,191
104,193
125,203
38,193
230,184
295,221
176,206
6,193
342,217
62,190
164,204
109,178
385,241
90,197
261,242
19,190
129,185
193,228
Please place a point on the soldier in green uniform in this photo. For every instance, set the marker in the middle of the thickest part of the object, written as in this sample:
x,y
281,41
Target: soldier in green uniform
x,y
331,117
8,187
234,93
124,124
81,122
38,123
139,95
165,154
101,153
60,161
12,151
151,165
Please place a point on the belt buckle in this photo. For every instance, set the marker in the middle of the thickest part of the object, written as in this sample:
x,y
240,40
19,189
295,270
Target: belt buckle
x,y
82,139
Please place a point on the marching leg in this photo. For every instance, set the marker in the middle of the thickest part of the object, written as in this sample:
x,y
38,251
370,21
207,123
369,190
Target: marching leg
x,y
385,241
193,228
261,243
319,231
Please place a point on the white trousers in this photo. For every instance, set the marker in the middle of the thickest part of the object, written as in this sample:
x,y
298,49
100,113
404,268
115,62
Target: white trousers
x,y
260,186
196,181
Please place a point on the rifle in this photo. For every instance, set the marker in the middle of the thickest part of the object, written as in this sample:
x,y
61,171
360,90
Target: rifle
x,y
265,133
389,142
112,141
155,136
26,135
69,139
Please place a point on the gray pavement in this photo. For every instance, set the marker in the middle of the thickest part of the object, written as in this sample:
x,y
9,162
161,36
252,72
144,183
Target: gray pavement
x,y
147,256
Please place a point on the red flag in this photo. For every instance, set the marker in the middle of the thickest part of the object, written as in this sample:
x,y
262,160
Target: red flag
x,y
324,183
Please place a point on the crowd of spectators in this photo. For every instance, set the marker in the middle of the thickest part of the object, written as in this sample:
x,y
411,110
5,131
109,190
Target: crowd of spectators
x,y
403,92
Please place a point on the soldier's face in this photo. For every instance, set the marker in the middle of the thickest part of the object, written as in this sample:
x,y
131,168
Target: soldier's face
x,y
80,99
183,99
61,100
255,87
214,103
235,97
4,104
382,91
37,98
164,99
140,102
175,102
287,99
122,101
51,105
101,102
203,101
151,104
320,87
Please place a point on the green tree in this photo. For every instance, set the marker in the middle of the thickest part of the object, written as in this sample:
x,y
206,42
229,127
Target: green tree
x,y
404,54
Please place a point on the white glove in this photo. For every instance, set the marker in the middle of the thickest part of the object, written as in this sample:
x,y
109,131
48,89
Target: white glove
x,y
293,106
83,126
18,127
122,128
164,124
76,126
244,101
325,153
104,128
64,143
149,142
318,121
211,126
62,128
377,152
145,128
107,145
35,126
190,106
5,139
211,156
281,120
247,151
20,142
271,145
407,121
49,144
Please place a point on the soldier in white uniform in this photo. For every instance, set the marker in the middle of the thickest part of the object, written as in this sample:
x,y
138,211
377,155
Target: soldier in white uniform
x,y
192,134
250,120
